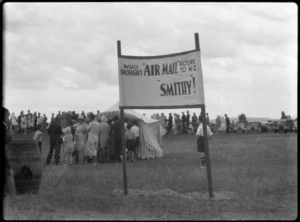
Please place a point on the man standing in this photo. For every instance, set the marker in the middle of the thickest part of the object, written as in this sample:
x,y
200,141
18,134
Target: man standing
x,y
170,123
227,124
207,119
103,139
115,130
187,119
183,122
55,133
195,121
34,120
98,116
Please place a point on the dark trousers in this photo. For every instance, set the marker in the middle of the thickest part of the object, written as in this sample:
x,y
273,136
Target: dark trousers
x,y
40,146
75,156
227,128
54,146
118,148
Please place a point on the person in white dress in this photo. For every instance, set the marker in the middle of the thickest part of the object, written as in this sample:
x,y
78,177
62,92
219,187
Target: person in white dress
x,y
68,145
103,140
80,140
24,123
91,147
14,122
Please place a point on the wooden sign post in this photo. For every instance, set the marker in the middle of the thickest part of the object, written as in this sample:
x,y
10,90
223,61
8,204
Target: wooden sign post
x,y
134,72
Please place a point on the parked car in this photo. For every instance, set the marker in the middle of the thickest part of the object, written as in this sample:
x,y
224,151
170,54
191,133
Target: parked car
x,y
253,127
264,127
239,127
271,126
284,125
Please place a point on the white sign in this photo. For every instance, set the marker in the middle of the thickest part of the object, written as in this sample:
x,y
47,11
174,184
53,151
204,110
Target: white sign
x,y
161,81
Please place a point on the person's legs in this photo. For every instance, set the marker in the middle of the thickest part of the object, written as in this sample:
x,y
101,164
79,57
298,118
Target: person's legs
x,y
136,147
202,155
49,157
106,159
118,149
75,156
100,154
40,146
57,151
94,160
70,158
80,157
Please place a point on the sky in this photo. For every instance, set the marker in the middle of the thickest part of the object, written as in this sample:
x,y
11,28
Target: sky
x,y
63,56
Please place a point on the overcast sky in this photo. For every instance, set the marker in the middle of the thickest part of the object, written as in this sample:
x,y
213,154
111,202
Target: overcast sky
x,y
63,56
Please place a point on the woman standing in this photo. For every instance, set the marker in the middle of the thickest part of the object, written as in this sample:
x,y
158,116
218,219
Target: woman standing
x,y
91,147
104,136
24,123
14,122
79,139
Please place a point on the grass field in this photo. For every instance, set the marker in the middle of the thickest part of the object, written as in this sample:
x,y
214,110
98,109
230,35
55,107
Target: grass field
x,y
254,178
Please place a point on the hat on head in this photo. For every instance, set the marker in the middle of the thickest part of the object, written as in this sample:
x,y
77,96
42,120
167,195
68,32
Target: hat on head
x,y
67,130
103,119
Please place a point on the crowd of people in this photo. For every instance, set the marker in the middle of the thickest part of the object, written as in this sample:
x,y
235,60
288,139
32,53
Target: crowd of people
x,y
92,138
82,138
184,124
27,122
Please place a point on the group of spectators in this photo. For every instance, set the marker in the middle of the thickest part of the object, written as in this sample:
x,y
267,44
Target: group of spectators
x,y
27,122
79,137
184,124
91,138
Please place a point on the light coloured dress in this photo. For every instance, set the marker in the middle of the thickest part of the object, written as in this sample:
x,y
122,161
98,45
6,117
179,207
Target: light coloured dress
x,y
14,121
68,145
91,146
23,122
104,134
80,136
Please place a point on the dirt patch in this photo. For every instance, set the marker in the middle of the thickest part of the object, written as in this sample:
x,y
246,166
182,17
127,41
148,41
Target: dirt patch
x,y
222,195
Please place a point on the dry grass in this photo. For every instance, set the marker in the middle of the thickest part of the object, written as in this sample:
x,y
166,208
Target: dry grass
x,y
254,177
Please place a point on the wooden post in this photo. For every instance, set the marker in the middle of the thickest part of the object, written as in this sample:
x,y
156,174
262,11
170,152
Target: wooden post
x,y
197,41
206,148
123,151
122,135
206,151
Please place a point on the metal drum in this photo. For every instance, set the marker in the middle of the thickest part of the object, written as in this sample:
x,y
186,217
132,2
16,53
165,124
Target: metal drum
x,y
25,159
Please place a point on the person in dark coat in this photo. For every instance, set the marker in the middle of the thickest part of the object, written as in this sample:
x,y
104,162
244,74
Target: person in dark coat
x,y
170,123
187,119
227,124
183,122
115,131
55,133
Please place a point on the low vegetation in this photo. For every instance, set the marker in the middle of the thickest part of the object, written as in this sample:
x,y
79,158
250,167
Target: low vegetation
x,y
254,177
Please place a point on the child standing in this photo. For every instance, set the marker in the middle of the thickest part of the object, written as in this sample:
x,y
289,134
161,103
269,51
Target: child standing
x,y
38,137
68,145
200,140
